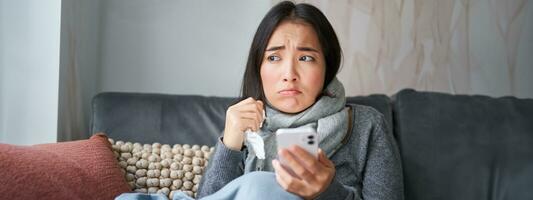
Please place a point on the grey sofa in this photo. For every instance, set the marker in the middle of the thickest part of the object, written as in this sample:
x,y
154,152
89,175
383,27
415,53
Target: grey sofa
x,y
452,146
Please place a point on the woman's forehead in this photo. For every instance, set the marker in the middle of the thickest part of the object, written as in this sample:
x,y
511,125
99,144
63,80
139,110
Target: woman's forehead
x,y
297,33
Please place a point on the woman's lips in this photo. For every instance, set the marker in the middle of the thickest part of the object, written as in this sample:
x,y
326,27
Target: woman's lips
x,y
289,92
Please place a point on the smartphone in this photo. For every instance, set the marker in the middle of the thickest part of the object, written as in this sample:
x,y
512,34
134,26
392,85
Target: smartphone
x,y
305,137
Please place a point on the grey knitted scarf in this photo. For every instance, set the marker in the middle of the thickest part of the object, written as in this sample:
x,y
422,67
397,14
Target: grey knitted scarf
x,y
328,116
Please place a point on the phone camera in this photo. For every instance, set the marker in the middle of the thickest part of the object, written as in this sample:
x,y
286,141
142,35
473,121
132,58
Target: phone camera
x,y
311,142
310,137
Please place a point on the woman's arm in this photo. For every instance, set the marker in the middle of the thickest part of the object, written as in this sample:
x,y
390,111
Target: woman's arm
x,y
227,163
383,175
224,166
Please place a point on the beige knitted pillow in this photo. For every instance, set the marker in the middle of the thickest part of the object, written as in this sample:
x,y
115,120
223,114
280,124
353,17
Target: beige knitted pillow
x,y
156,168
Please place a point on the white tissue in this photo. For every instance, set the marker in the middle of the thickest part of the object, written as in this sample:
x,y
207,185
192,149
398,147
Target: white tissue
x,y
256,141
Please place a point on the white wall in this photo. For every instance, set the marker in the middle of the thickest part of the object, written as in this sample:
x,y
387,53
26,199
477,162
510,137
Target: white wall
x,y
29,70
178,47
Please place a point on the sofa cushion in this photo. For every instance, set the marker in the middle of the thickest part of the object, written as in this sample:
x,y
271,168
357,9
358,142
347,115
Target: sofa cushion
x,y
176,119
465,147
83,169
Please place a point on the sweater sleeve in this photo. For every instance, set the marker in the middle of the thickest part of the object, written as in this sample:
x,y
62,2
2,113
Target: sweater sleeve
x,y
224,166
337,190
382,176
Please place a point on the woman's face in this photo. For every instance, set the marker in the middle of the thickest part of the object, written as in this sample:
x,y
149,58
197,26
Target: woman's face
x,y
293,69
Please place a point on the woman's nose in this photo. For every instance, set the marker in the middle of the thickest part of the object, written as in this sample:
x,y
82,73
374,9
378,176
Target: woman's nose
x,y
290,79
290,73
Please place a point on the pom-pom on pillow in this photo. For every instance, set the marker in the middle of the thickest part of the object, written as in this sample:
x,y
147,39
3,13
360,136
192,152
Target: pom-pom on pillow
x,y
157,168
83,169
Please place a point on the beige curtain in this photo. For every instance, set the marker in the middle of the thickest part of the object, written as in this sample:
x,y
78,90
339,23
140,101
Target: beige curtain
x,y
453,46
78,80
71,124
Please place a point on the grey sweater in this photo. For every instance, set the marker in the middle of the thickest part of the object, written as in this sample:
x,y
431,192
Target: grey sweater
x,y
368,166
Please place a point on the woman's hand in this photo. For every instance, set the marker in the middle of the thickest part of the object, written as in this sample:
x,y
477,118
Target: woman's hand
x,y
312,176
247,114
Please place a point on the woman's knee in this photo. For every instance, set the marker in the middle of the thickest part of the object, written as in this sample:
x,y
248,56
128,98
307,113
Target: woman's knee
x,y
261,185
253,178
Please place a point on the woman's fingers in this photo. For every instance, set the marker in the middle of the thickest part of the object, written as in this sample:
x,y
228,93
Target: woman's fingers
x,y
261,113
293,184
294,163
245,101
322,158
248,120
244,115
247,109
285,179
309,161
246,124
315,174
252,107
260,107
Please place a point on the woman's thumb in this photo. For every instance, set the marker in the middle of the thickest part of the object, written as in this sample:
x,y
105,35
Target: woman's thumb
x,y
322,158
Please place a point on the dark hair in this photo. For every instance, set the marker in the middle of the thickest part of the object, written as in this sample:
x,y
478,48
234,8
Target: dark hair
x,y
251,83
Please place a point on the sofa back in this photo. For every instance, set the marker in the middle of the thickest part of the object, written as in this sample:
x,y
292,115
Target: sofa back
x,y
177,119
167,119
452,146
464,147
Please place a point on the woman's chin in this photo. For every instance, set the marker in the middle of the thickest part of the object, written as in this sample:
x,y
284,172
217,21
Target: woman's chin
x,y
291,106
290,111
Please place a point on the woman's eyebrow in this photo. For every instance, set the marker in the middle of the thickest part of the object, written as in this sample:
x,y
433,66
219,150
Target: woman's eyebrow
x,y
275,48
307,49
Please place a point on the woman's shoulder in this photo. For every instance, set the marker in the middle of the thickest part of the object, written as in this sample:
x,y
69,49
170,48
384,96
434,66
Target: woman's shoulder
x,y
368,127
367,123
362,114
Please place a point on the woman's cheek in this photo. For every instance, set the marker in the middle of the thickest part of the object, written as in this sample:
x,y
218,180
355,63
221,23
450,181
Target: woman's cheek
x,y
268,78
315,80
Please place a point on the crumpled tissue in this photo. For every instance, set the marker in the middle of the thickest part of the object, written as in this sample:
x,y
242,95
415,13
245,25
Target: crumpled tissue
x,y
256,141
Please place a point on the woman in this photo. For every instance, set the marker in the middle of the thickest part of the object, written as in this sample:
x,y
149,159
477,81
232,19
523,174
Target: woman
x,y
290,79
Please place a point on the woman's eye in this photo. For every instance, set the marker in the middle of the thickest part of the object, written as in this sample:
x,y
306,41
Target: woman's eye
x,y
273,58
306,58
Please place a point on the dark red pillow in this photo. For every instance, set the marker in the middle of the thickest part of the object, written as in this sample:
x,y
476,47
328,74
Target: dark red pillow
x,y
83,169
